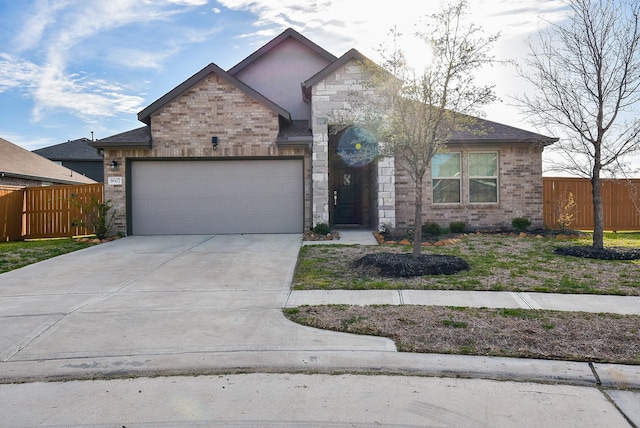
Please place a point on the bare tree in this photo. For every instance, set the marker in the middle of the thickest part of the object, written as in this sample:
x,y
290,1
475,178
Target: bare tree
x,y
586,72
414,114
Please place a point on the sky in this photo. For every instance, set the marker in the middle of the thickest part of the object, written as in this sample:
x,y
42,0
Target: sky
x,y
81,68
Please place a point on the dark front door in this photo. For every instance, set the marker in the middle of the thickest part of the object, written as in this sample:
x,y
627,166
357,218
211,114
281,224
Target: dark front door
x,y
347,195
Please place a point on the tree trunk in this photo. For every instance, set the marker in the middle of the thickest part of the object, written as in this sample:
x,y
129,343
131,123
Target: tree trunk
x,y
598,212
417,231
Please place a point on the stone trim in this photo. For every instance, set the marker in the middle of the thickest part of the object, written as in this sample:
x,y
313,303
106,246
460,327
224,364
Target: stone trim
x,y
386,192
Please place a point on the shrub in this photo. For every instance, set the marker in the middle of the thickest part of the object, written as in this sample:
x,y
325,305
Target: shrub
x,y
520,224
565,210
96,216
431,229
457,227
321,229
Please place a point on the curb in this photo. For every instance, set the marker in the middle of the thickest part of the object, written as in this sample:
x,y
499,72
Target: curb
x,y
326,362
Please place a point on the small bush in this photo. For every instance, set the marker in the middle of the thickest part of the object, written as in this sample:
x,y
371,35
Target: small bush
x,y
457,227
321,229
431,229
96,216
520,224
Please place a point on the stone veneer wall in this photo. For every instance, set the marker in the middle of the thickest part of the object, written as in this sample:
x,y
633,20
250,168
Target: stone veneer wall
x,y
386,192
183,129
519,194
328,95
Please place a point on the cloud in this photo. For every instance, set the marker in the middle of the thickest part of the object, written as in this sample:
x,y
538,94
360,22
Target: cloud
x,y
364,24
189,2
53,35
84,95
17,73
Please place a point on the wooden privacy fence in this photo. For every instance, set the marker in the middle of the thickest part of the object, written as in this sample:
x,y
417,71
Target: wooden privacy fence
x,y
44,212
11,209
621,203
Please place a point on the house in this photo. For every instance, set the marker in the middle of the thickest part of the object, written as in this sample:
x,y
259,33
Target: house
x,y
249,150
20,167
76,155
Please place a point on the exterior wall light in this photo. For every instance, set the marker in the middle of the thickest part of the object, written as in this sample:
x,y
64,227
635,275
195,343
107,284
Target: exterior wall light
x,y
214,142
114,165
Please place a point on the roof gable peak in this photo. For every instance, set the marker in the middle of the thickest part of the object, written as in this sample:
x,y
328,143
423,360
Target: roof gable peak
x,y
286,34
145,115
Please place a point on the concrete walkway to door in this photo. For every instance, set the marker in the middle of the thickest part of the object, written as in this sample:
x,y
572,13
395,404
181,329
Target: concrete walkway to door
x,y
148,305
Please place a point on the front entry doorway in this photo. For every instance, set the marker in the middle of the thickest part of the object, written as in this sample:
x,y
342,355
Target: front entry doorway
x,y
352,179
347,195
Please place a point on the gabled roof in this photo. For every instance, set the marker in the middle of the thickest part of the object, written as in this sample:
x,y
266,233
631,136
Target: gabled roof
x,y
288,33
145,115
351,55
139,138
21,163
488,132
77,150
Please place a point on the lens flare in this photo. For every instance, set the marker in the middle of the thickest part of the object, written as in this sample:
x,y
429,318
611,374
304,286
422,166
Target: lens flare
x,y
357,147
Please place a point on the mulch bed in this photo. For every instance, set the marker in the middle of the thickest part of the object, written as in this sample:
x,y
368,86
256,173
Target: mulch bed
x,y
406,265
309,235
609,253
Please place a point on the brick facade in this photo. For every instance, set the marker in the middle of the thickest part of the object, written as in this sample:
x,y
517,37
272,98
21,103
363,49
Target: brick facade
x,y
519,192
183,129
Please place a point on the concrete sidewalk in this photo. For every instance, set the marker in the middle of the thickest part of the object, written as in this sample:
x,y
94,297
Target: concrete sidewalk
x,y
625,305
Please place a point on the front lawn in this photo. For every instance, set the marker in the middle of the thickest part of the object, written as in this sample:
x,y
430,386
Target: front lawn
x,y
14,255
497,263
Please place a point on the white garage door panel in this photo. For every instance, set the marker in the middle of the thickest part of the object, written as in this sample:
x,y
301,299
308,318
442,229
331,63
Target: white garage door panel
x,y
215,197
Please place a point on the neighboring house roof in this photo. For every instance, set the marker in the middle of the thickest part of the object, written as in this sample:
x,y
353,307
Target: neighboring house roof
x,y
76,150
289,32
135,138
145,115
20,163
487,132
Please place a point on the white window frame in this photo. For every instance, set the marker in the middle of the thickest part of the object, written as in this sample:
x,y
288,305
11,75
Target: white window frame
x,y
459,178
478,177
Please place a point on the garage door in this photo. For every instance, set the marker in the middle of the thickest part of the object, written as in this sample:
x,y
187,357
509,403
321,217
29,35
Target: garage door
x,y
174,197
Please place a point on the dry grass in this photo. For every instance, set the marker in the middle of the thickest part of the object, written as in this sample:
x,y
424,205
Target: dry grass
x,y
491,332
498,263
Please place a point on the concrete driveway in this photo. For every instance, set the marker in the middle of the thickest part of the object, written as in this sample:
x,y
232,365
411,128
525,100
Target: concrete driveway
x,y
158,304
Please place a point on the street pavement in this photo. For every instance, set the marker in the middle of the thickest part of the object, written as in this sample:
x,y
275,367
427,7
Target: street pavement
x,y
188,331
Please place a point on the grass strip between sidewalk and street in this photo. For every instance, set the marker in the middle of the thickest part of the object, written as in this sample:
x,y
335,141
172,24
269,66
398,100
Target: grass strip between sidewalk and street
x,y
571,336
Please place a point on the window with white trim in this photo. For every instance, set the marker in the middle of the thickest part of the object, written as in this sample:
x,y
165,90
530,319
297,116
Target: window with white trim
x,y
483,177
445,178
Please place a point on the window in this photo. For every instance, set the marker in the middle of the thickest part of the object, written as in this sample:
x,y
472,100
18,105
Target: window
x,y
483,177
445,173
